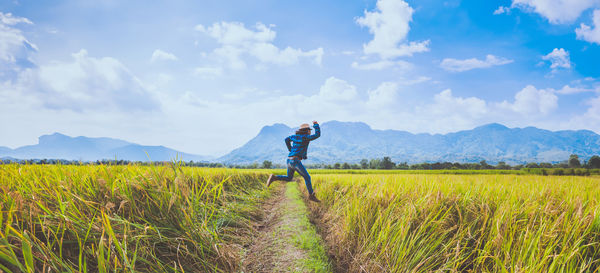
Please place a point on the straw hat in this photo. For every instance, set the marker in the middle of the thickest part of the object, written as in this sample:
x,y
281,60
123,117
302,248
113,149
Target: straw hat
x,y
304,126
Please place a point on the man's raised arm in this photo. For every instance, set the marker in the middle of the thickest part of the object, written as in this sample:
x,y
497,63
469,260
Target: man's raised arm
x,y
317,133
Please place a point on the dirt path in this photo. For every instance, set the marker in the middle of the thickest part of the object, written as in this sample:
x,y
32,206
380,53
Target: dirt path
x,y
286,241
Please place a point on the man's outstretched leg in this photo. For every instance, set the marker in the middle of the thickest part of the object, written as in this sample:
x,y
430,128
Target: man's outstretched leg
x,y
288,177
271,179
302,171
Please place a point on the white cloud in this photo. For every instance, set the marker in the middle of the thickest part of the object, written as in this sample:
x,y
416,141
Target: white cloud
x,y
248,94
532,101
456,65
447,104
335,99
159,55
559,58
501,10
556,11
231,55
13,44
446,113
383,64
590,34
594,110
384,107
192,99
236,41
417,80
268,53
389,24
90,83
567,90
9,19
386,94
337,90
85,96
85,84
208,71
28,120
235,33
588,120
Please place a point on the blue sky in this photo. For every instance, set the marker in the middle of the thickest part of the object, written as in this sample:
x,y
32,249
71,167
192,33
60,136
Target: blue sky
x,y
205,76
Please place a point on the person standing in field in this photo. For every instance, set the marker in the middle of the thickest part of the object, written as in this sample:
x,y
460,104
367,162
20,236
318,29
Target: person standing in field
x,y
297,145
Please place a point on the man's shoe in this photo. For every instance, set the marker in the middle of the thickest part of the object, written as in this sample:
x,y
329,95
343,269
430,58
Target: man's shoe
x,y
271,178
313,198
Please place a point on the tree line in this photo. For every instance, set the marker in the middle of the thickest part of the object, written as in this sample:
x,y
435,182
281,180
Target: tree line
x,y
110,162
384,163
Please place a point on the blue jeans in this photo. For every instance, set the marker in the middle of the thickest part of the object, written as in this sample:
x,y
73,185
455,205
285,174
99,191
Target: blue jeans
x,y
295,165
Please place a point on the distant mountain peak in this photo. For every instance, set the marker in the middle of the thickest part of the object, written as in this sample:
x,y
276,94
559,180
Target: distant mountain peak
x,y
353,125
275,128
346,123
60,146
353,141
43,139
492,126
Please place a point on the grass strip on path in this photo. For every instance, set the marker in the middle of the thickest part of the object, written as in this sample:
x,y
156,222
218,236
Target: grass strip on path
x,y
286,240
306,237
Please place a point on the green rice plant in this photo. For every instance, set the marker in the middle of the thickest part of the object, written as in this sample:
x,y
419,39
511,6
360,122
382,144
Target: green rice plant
x,y
524,171
462,223
395,171
125,218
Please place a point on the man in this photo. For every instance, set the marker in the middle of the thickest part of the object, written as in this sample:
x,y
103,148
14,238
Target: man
x,y
297,145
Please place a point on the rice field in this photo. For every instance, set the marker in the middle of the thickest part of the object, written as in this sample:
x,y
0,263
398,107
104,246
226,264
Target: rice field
x,y
125,218
461,223
103,218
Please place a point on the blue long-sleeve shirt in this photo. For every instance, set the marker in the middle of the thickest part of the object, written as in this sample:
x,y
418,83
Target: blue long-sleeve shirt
x,y
298,144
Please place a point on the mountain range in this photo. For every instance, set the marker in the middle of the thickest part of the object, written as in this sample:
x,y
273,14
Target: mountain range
x,y
353,141
343,142
59,146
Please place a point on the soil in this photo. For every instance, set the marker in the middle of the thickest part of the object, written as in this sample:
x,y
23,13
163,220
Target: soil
x,y
273,250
